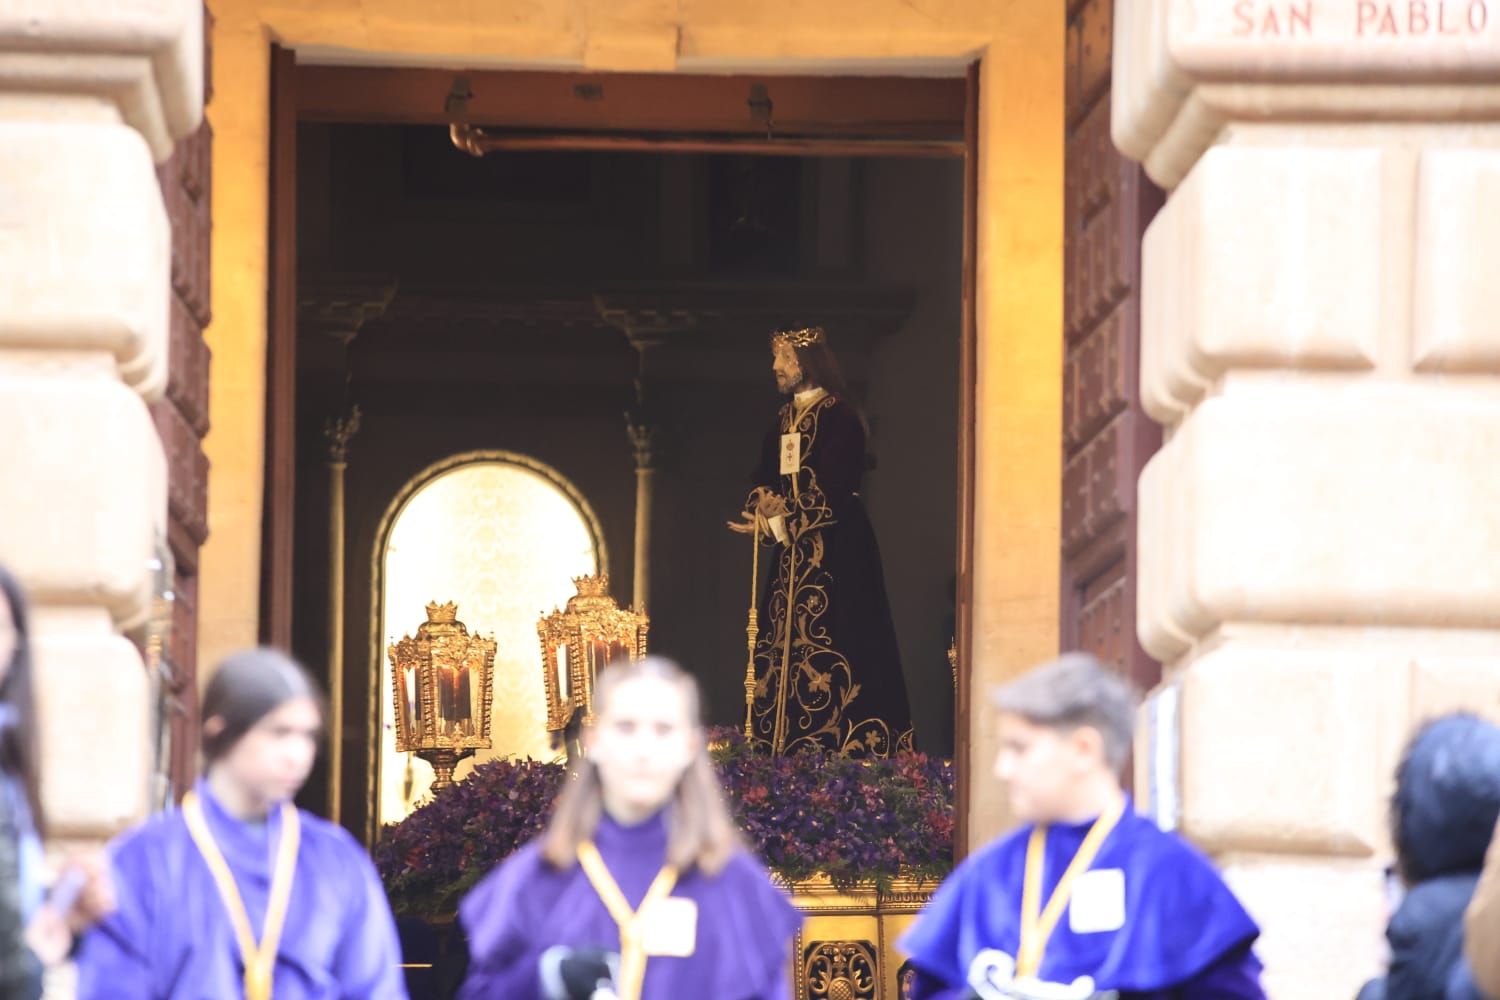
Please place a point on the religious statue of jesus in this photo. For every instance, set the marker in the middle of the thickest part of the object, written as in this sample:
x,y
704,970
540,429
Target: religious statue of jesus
x,y
827,667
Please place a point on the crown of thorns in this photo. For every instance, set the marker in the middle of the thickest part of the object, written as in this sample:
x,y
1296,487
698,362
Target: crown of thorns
x,y
805,337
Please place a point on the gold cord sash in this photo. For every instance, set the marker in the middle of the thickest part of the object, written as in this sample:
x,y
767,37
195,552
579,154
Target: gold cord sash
x,y
1037,924
259,959
632,939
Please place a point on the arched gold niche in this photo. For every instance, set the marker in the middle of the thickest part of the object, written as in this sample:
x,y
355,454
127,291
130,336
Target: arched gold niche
x,y
501,534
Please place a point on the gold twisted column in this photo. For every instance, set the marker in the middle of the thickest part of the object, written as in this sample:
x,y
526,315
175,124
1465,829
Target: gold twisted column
x,y
338,432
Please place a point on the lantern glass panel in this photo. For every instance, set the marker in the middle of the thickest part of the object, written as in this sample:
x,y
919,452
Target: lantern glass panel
x,y
410,722
560,664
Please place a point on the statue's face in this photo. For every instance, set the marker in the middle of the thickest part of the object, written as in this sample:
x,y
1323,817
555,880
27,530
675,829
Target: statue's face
x,y
787,368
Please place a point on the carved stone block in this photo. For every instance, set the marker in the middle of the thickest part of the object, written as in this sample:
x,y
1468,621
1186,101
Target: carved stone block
x,y
1185,70
1455,683
1348,716
87,442
1271,503
1317,918
94,679
1315,291
84,265
1457,300
145,58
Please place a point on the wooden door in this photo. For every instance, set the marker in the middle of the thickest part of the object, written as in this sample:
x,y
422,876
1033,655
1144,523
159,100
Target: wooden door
x,y
181,419
1107,438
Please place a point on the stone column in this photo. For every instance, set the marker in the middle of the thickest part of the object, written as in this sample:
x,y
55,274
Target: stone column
x,y
1319,545
93,94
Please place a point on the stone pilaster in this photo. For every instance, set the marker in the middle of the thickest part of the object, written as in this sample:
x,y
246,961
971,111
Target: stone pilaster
x,y
92,95
1319,551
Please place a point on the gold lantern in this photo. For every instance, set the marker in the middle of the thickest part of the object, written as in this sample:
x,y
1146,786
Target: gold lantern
x,y
443,683
577,643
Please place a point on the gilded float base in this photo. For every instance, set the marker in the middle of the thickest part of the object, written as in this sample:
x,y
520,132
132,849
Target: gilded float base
x,y
846,949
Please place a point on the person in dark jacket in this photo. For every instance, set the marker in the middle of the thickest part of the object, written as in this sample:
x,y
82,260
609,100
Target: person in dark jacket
x,y
33,931
16,964
1444,810
20,805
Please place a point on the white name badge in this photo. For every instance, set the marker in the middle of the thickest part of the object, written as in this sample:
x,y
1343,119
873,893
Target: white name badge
x,y
791,454
670,927
1098,902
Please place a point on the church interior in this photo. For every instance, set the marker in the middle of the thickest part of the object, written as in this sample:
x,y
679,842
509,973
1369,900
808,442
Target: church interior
x,y
501,322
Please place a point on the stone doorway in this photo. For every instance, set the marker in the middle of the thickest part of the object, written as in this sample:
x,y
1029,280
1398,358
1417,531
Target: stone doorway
x,y
328,112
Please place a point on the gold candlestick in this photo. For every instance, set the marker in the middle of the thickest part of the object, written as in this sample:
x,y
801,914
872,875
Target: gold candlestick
x,y
752,628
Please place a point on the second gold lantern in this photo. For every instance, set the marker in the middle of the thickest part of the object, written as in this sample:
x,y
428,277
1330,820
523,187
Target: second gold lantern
x,y
578,642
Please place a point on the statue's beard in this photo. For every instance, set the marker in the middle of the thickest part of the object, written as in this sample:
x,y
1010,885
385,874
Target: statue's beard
x,y
790,385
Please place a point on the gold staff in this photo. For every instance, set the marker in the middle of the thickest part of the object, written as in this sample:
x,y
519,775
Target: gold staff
x,y
752,629
778,741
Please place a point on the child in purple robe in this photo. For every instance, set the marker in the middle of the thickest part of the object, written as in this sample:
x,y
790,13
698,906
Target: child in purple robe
x,y
239,893
640,888
1088,898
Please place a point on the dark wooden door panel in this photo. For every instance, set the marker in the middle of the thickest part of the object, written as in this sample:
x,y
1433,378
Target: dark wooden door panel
x,y
181,419
1107,438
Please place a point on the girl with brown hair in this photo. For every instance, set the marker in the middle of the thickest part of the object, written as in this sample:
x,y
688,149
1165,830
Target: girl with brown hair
x,y
239,893
639,888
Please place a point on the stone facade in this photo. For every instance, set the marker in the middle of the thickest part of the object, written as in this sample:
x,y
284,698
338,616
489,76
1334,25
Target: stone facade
x,y
1317,553
93,94
1320,563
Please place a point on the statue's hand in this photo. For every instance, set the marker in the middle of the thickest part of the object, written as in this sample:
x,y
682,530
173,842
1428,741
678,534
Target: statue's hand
x,y
771,505
745,526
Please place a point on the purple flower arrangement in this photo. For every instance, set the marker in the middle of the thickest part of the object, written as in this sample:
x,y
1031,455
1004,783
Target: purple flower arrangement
x,y
432,857
860,822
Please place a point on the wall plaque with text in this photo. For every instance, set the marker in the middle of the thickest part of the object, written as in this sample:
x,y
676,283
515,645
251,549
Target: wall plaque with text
x,y
1344,40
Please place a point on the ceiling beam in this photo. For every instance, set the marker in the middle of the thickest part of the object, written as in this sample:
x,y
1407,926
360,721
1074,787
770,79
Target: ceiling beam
x,y
911,108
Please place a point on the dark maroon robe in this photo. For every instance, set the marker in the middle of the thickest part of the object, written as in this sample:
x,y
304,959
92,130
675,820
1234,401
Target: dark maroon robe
x,y
844,689
525,906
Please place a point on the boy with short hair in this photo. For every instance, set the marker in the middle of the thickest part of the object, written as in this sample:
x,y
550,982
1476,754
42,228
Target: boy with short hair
x,y
1087,898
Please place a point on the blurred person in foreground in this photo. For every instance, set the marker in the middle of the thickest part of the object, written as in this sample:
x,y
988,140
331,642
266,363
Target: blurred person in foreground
x,y
1087,898
239,893
1444,810
640,888
36,930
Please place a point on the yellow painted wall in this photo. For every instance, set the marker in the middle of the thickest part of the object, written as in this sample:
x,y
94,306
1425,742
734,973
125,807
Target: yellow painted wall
x,y
1020,244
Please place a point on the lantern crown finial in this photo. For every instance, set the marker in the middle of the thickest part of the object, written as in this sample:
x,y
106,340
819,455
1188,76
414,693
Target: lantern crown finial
x,y
442,612
592,586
